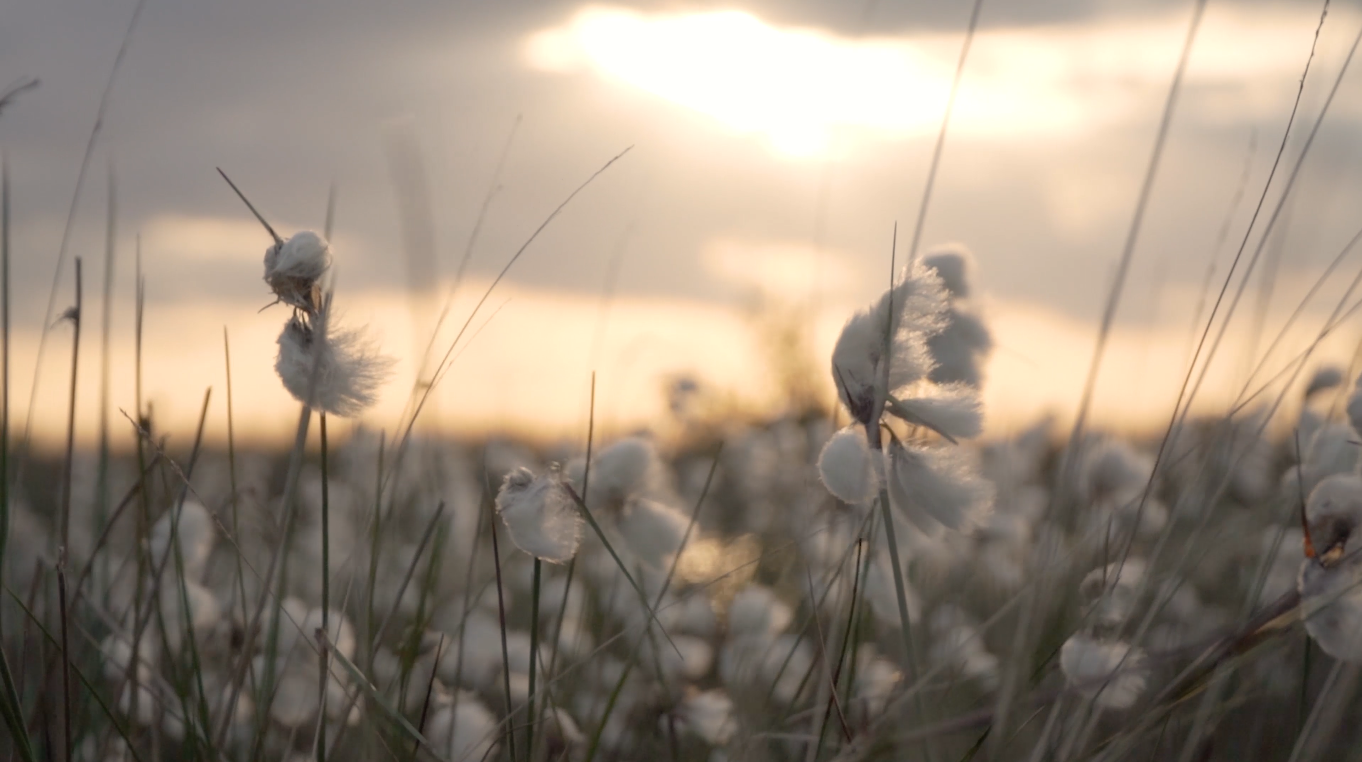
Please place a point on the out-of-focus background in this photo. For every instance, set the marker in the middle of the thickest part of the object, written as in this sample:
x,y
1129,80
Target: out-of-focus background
x,y
775,146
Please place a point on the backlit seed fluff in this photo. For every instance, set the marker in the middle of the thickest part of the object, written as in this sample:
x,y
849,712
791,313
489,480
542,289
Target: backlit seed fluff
x,y
937,485
1109,672
540,515
901,320
293,269
951,410
848,467
332,369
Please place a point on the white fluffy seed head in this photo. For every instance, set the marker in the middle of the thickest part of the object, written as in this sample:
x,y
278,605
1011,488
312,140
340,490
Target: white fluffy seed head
x,y
540,515
653,531
1110,672
937,485
951,410
848,467
294,269
907,314
332,369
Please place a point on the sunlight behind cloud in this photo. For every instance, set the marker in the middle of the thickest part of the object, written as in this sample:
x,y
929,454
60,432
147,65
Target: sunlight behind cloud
x,y
807,91
795,86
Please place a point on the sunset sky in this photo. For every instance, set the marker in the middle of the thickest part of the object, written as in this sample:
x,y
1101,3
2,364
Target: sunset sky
x,y
773,148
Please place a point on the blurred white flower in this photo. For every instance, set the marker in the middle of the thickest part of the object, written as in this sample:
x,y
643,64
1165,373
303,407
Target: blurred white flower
x,y
294,268
203,613
882,596
709,715
958,642
847,466
540,515
1332,450
652,531
462,730
1110,672
1108,466
332,369
876,679
623,469
196,531
1112,590
756,612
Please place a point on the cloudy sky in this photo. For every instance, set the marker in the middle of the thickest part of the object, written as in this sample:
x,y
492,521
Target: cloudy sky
x,y
773,148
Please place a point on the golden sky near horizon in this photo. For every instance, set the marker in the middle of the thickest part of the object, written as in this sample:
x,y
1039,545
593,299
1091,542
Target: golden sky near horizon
x,y
525,364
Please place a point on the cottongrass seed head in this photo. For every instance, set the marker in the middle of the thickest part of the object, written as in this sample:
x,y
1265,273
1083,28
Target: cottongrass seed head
x,y
540,515
332,369
934,486
847,466
294,268
906,314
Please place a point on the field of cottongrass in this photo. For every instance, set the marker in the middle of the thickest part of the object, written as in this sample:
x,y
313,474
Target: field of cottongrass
x,y
869,580
731,593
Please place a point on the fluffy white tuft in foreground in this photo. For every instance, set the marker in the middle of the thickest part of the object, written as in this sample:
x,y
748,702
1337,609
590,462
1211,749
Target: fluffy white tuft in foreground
x,y
294,268
937,485
901,320
1111,672
540,515
951,410
847,466
332,369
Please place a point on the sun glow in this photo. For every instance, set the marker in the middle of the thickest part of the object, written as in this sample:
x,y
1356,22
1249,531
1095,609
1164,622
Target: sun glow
x,y
795,86
807,91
